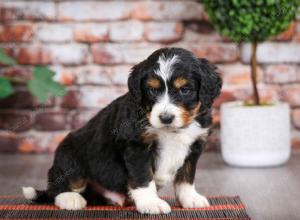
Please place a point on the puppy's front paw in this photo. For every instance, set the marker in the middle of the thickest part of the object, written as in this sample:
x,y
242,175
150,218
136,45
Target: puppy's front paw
x,y
153,206
193,200
70,201
188,196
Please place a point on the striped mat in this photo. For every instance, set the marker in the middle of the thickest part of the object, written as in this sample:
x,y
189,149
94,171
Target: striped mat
x,y
222,208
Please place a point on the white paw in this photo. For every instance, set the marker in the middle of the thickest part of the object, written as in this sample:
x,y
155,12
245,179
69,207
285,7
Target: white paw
x,y
70,201
193,200
153,206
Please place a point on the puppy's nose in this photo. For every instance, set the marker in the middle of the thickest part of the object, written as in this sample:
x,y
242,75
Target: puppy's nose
x,y
166,118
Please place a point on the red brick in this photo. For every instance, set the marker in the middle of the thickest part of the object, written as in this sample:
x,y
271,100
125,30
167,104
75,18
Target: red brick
x,y
225,96
64,76
287,34
34,55
18,74
106,54
82,117
238,74
93,75
195,37
213,142
200,31
168,10
214,52
165,32
296,118
296,139
99,97
26,145
91,33
69,54
102,75
93,11
119,74
51,121
136,53
282,73
16,122
16,32
268,94
9,142
32,10
126,31
216,117
8,13
71,99
122,53
297,31
202,26
54,140
291,95
22,99
269,52
58,33
40,142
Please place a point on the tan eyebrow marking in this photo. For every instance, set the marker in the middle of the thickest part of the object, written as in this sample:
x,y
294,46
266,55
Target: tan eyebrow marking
x,y
154,83
180,82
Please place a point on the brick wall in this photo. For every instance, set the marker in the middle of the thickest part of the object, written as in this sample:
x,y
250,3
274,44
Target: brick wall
x,y
92,45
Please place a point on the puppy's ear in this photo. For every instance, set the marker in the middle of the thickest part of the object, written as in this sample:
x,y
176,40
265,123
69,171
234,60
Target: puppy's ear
x,y
211,82
134,83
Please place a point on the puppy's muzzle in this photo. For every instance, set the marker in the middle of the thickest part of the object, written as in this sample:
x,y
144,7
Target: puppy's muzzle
x,y
166,118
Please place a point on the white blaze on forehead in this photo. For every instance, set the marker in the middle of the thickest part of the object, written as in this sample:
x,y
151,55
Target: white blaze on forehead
x,y
166,65
164,103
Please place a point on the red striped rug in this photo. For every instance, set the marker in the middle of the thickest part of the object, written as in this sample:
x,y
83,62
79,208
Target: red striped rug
x,y
222,208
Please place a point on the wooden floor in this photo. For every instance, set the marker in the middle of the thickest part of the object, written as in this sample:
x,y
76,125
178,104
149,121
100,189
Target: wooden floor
x,y
269,194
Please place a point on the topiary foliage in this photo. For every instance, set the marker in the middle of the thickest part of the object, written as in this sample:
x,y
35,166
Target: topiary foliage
x,y
251,20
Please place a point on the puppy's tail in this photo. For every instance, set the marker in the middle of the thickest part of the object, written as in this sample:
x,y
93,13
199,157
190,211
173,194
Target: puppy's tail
x,y
38,196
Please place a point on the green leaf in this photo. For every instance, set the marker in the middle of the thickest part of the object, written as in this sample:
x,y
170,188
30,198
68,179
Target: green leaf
x,y
5,59
5,87
43,73
37,89
43,86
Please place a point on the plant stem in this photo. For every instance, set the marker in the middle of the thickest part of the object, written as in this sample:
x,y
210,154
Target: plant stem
x,y
256,97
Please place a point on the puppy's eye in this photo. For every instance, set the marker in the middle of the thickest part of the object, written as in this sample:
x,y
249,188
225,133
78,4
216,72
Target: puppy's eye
x,y
185,91
153,91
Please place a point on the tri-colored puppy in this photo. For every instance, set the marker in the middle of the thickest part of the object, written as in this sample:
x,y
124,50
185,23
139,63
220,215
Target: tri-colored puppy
x,y
152,135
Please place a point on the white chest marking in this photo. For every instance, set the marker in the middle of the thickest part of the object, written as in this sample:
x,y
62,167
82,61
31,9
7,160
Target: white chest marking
x,y
173,148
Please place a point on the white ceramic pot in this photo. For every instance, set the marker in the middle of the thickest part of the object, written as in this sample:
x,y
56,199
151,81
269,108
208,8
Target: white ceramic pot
x,y
255,136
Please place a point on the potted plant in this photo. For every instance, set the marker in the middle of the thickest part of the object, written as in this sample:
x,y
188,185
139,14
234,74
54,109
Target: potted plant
x,y
255,133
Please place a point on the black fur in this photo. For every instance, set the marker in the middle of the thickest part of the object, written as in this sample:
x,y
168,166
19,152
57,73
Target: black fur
x,y
110,148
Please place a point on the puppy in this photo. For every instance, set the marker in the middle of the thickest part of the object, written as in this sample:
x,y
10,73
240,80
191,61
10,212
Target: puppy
x,y
151,136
